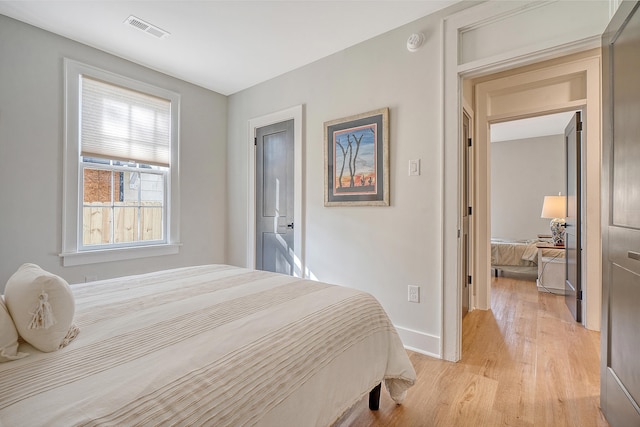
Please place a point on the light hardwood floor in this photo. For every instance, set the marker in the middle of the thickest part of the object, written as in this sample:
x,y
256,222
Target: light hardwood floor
x,y
525,362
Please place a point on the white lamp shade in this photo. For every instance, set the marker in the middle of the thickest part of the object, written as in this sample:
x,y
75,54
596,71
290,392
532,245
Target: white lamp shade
x,y
554,207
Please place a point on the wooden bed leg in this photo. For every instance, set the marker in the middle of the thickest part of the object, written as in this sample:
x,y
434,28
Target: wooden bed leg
x,y
374,398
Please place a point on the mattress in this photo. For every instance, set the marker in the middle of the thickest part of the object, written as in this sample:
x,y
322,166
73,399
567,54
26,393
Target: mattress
x,y
209,345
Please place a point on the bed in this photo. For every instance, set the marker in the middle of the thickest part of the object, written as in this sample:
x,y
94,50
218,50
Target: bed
x,y
209,345
518,256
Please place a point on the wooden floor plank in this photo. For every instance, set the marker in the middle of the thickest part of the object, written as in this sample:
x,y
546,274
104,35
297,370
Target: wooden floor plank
x,y
525,363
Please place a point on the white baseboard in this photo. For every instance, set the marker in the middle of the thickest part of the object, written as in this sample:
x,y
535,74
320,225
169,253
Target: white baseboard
x,y
420,342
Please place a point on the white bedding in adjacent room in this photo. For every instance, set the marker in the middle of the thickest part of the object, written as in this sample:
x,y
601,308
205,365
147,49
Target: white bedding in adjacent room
x,y
520,256
208,345
506,252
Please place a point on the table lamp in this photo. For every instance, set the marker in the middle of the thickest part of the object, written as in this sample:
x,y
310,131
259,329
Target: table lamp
x,y
555,207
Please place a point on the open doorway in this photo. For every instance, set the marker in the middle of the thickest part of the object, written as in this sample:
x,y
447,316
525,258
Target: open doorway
x,y
539,58
556,86
528,163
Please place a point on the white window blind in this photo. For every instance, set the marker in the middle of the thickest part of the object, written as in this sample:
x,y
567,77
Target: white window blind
x,y
123,124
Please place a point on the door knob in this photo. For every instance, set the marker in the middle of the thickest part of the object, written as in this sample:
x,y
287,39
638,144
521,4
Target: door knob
x,y
290,226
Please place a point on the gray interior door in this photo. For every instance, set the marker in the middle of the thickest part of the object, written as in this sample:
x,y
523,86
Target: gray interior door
x,y
466,211
620,373
573,244
275,198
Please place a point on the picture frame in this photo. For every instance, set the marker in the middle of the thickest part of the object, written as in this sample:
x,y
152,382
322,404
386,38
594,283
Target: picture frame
x,y
356,171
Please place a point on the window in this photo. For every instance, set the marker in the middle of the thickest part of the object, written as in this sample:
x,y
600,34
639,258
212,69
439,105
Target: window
x,y
121,167
123,203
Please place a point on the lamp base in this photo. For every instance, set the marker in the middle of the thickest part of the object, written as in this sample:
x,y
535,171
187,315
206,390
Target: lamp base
x,y
557,231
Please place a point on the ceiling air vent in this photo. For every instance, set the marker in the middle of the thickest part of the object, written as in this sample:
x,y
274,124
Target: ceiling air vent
x,y
146,27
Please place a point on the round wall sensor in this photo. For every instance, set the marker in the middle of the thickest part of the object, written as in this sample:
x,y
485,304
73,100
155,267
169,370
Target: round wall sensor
x,y
415,41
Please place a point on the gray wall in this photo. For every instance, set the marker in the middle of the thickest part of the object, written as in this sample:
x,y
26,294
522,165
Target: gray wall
x,y
31,147
522,173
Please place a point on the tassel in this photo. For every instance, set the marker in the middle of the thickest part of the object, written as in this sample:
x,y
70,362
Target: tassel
x,y
43,316
72,333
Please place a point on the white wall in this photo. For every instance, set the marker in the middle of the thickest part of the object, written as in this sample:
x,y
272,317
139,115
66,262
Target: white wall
x,y
31,148
522,173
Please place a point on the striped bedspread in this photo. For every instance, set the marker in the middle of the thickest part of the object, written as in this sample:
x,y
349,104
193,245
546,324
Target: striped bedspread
x,y
209,345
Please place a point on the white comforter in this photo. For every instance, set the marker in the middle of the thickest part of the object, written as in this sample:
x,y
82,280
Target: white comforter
x,y
208,345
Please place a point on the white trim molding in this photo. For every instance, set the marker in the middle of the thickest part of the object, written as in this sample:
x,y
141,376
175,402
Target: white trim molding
x,y
419,342
120,254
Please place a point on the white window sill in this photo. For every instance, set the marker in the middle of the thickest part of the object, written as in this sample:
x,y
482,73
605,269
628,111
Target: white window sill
x,y
70,259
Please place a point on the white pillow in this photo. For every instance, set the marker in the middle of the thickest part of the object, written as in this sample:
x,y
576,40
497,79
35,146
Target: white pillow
x,y
42,307
8,336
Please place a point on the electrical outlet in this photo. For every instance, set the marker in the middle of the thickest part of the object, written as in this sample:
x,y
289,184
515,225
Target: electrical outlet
x,y
414,293
91,278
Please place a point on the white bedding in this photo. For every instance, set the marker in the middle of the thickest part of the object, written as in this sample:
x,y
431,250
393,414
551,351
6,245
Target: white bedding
x,y
522,253
208,345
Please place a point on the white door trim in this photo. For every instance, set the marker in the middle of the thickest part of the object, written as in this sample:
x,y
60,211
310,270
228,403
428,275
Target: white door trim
x,y
295,113
454,68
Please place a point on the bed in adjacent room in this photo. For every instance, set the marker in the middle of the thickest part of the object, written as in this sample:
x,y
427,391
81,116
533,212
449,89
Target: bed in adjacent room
x,y
518,256
207,345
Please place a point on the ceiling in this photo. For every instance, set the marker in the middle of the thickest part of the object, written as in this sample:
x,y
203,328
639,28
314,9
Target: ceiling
x,y
225,46
551,124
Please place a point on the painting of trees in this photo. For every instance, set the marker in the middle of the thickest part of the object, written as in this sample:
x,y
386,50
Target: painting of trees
x,y
357,160
355,152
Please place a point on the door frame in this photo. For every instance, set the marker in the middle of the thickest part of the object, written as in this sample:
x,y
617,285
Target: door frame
x,y
581,67
454,70
295,113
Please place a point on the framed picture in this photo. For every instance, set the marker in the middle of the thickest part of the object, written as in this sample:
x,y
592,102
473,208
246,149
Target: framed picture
x,y
356,162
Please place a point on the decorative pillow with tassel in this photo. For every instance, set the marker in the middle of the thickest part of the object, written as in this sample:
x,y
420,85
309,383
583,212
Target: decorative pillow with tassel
x,y
8,336
42,307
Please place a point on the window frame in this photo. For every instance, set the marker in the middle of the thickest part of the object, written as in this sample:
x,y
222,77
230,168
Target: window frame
x,y
73,252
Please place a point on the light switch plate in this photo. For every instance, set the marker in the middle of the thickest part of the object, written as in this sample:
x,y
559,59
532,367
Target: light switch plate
x,y
414,167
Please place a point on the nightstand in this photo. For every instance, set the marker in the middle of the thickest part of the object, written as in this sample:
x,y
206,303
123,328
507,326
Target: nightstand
x,y
551,268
